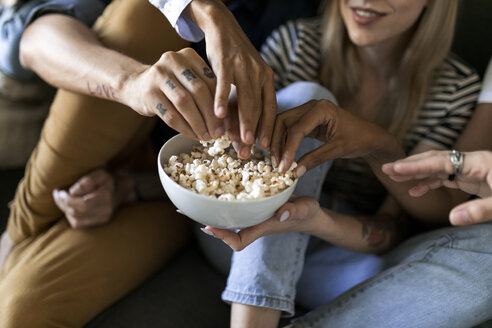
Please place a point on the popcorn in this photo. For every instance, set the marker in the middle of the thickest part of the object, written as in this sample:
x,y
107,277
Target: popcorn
x,y
213,170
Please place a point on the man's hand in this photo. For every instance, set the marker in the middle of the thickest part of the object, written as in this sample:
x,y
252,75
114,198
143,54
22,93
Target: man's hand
x,y
179,88
433,169
92,200
235,61
297,215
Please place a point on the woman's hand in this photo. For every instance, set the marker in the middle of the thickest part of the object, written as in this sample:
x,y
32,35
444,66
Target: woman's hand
x,y
92,200
298,215
433,169
345,136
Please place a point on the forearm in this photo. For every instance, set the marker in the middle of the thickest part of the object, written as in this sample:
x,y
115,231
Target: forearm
x,y
433,207
207,14
68,55
369,234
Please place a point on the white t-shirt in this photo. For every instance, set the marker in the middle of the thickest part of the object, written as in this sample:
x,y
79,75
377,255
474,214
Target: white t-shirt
x,y
486,93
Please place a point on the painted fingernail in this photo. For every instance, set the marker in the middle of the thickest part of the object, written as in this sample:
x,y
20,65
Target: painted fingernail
x,y
219,131
180,212
284,216
274,161
300,171
460,217
206,137
208,232
249,138
281,166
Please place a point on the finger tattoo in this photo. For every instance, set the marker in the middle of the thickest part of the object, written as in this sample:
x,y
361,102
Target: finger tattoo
x,y
161,109
208,73
170,84
188,74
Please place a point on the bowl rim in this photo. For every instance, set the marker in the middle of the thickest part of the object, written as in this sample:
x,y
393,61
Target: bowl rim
x,y
241,201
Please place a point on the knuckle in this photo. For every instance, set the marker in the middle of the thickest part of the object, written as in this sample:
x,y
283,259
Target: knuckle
x,y
167,56
181,100
171,118
155,70
187,51
199,87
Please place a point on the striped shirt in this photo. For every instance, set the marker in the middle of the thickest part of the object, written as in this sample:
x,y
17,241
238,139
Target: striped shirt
x,y
294,54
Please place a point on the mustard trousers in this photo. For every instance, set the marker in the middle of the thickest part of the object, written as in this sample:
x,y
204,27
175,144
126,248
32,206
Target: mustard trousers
x,y
60,277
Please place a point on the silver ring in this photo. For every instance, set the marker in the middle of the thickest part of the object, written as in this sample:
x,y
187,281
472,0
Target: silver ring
x,y
457,159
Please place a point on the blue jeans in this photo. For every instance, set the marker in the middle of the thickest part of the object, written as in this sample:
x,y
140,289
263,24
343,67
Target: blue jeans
x,y
276,263
437,279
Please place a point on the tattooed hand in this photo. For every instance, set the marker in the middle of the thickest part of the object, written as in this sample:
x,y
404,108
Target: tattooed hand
x,y
179,88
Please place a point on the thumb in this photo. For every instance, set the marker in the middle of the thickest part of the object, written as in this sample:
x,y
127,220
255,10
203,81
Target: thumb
x,y
472,212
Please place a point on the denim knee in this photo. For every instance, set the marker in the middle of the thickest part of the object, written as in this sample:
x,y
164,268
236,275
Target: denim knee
x,y
266,272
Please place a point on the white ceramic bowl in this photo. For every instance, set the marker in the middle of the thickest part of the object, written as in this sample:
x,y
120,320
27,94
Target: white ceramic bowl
x,y
211,211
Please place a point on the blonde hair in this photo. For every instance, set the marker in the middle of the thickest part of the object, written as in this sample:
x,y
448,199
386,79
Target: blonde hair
x,y
414,73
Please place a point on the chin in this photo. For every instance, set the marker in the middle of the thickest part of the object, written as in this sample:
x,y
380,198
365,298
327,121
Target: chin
x,y
361,40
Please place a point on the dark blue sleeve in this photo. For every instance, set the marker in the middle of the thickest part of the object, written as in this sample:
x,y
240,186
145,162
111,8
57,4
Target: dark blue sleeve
x,y
14,20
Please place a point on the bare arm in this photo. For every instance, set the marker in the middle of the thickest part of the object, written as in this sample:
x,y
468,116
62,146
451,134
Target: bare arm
x,y
478,132
348,136
371,234
177,87
62,51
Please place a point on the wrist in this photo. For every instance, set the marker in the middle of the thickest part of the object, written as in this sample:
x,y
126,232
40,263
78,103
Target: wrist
x,y
127,84
388,150
207,14
321,223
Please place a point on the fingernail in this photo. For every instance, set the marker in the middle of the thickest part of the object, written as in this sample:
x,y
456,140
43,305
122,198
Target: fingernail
x,y
244,151
62,194
274,161
281,166
235,145
264,142
300,171
180,212
208,232
220,111
249,138
206,137
460,217
284,216
219,131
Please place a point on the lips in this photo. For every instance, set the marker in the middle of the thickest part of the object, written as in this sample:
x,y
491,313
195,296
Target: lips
x,y
365,16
